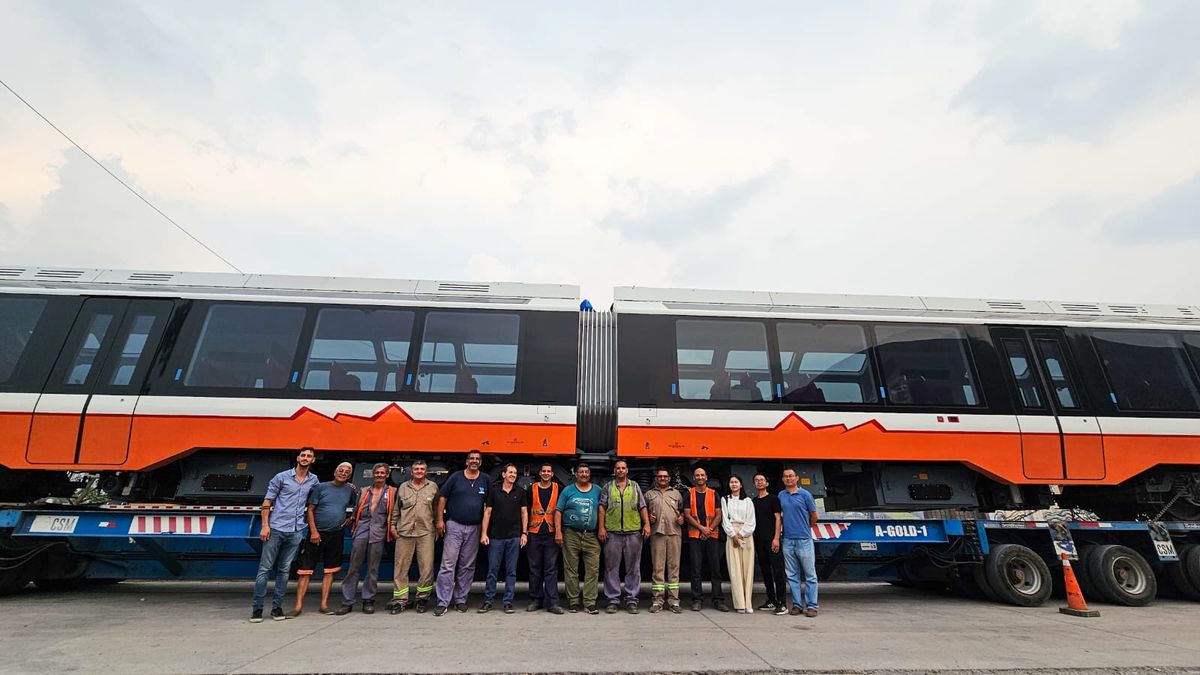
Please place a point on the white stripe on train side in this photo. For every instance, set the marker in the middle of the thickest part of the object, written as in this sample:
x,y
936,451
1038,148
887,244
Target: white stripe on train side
x,y
421,411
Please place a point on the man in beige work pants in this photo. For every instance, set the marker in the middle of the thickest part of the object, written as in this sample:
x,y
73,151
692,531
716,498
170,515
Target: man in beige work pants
x,y
413,530
665,507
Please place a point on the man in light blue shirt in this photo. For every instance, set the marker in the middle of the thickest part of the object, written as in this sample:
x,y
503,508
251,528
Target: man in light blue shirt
x,y
284,525
575,522
794,526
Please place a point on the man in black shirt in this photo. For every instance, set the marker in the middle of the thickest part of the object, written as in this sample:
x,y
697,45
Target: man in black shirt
x,y
505,519
702,511
766,507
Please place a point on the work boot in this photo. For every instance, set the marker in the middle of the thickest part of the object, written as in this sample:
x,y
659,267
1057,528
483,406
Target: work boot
x,y
810,612
422,603
697,604
676,609
720,606
439,610
484,608
368,606
611,609
344,610
555,609
655,608
533,606
396,606
631,607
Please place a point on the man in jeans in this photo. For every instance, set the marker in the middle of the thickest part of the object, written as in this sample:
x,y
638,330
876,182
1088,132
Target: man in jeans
x,y
575,521
794,525
624,524
284,524
459,513
505,518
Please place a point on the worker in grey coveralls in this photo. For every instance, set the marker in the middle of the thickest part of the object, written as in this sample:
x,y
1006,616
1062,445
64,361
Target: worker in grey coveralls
x,y
371,535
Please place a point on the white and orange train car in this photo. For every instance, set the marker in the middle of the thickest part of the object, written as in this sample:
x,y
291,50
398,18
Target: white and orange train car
x,y
196,387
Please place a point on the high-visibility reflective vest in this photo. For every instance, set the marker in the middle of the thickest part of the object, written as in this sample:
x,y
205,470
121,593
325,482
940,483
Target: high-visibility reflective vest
x,y
710,508
622,514
388,494
542,513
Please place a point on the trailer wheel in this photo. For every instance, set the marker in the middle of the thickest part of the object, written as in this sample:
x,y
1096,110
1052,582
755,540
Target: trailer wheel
x,y
1189,564
1122,576
15,579
980,579
1018,575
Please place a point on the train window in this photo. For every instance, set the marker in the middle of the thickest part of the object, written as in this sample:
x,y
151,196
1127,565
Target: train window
x,y
825,363
926,365
359,350
1027,384
722,360
131,351
469,353
1147,370
89,347
246,347
1060,379
18,317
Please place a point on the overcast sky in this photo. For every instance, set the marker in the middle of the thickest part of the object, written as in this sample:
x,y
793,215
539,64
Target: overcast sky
x,y
993,149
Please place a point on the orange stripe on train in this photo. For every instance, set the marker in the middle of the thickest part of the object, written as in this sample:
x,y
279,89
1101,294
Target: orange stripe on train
x,y
157,439
997,454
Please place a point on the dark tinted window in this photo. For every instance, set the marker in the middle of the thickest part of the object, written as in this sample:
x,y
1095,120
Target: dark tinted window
x,y
89,348
926,365
1147,370
131,351
1060,375
825,363
1022,370
722,360
469,353
18,317
359,350
246,347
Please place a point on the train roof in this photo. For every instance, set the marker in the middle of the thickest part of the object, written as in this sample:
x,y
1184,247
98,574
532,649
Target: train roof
x,y
221,285
645,300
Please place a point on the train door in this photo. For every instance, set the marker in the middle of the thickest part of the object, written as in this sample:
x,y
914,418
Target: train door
x,y
1082,439
1041,435
83,415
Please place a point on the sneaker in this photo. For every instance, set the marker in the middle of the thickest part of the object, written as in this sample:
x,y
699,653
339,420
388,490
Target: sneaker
x,y
574,609
766,606
655,608
344,610
422,603
749,610
484,608
555,609
460,607
508,608
591,609
533,606
741,611
256,616
810,612
326,611
368,607
439,610
676,609
611,609
780,610
277,614
696,605
795,610
631,607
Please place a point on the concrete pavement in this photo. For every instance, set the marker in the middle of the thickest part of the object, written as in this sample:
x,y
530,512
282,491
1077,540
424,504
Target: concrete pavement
x,y
176,627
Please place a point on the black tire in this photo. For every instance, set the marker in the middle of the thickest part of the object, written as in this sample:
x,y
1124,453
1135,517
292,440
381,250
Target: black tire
x,y
980,578
1176,574
16,579
1018,576
1122,576
965,585
1083,576
1189,562
75,584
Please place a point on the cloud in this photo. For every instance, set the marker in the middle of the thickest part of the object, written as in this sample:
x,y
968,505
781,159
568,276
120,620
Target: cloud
x,y
654,213
1172,215
1044,86
522,144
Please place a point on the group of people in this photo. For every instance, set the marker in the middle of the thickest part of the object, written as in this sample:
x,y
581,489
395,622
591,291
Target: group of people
x,y
303,516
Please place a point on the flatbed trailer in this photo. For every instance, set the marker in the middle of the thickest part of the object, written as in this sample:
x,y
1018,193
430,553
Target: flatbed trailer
x,y
1015,562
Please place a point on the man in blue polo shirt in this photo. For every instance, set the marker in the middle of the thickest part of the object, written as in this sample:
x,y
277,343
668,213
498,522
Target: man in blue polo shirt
x,y
284,524
794,526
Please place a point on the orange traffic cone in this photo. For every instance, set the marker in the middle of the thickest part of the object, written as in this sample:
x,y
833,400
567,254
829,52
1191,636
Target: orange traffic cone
x,y
1076,605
